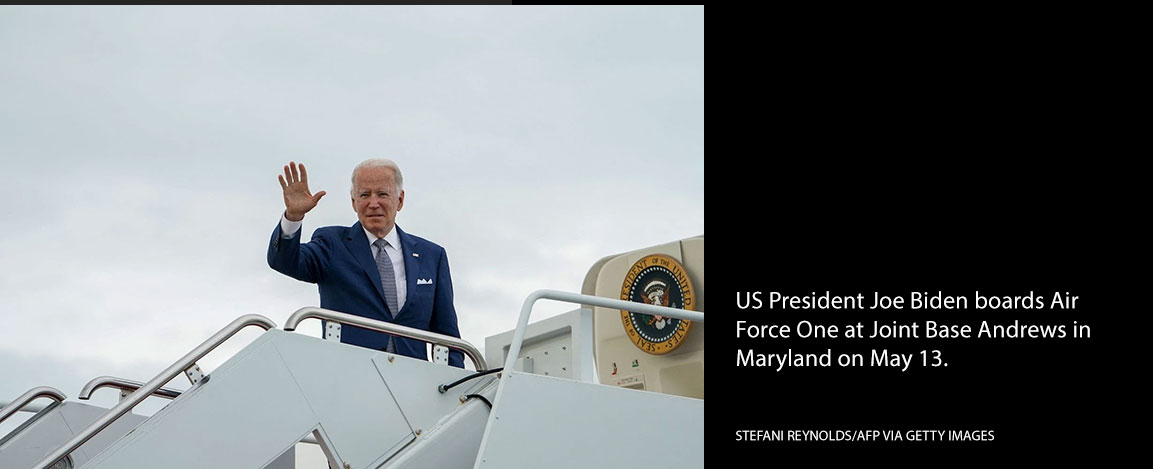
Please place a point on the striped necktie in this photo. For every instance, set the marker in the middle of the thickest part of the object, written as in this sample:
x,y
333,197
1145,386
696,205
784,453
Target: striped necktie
x,y
388,281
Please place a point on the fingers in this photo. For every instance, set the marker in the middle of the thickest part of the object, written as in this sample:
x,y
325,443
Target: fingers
x,y
316,198
294,174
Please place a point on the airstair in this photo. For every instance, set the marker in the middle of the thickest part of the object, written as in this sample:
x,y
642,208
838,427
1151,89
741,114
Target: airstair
x,y
364,408
57,422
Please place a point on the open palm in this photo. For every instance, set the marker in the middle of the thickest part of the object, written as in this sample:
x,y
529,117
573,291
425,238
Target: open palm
x,y
298,200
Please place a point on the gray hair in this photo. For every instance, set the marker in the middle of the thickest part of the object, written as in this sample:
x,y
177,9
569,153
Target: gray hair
x,y
378,163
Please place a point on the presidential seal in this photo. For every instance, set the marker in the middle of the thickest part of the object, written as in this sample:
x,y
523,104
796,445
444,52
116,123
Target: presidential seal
x,y
660,280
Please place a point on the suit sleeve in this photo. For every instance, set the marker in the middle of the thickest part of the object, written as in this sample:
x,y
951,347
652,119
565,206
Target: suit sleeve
x,y
443,311
305,262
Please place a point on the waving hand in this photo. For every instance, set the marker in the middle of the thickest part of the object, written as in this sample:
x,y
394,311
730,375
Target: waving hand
x,y
298,200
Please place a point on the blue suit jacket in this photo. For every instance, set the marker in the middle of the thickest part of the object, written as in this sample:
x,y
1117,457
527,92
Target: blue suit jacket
x,y
340,262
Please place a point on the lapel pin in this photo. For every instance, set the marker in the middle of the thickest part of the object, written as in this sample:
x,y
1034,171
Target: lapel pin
x,y
415,255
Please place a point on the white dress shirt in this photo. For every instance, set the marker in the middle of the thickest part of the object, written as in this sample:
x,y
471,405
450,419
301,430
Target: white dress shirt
x,y
288,229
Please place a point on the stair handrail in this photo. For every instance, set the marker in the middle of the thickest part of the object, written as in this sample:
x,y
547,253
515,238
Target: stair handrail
x,y
123,385
526,311
29,396
388,327
152,386
130,385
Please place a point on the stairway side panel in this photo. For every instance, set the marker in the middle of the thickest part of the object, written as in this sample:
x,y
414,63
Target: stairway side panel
x,y
360,416
541,421
246,415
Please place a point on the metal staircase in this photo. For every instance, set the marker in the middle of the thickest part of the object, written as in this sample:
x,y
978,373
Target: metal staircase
x,y
366,408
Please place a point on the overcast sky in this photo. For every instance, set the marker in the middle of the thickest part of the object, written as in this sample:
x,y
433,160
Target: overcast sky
x,y
140,149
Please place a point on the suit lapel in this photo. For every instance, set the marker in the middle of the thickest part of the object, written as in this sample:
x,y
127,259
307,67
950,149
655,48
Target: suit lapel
x,y
411,254
357,243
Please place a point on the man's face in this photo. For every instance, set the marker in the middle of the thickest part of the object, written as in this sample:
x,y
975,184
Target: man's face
x,y
376,200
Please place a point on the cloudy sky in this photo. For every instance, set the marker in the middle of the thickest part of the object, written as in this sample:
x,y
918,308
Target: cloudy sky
x,y
140,148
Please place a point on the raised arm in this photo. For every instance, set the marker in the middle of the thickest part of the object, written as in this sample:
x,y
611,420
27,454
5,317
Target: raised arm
x,y
305,262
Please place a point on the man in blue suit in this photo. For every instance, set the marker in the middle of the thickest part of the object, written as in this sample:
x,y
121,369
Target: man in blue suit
x,y
372,268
